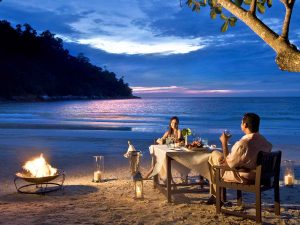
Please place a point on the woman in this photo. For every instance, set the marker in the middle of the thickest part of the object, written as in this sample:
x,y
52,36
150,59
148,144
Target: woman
x,y
173,133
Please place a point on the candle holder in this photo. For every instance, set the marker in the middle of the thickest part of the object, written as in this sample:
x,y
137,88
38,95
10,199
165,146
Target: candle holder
x,y
135,160
98,168
289,175
138,186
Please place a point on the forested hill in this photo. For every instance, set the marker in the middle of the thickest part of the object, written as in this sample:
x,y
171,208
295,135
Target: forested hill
x,y
34,67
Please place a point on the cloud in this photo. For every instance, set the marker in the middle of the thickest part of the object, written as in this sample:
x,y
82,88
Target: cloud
x,y
153,89
274,23
129,27
164,45
177,90
129,32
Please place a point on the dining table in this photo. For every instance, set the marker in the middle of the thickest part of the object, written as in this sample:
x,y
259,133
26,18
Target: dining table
x,y
166,160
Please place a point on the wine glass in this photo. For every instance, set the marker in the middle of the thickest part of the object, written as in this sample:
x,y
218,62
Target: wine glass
x,y
204,142
196,137
227,134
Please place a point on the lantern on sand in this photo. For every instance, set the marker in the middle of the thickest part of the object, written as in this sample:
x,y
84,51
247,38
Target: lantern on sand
x,y
138,186
289,175
98,168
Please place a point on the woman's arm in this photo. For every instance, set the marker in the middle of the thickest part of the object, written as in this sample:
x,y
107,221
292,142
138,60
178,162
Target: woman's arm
x,y
165,135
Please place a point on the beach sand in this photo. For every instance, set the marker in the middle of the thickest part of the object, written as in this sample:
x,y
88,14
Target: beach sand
x,y
111,202
84,202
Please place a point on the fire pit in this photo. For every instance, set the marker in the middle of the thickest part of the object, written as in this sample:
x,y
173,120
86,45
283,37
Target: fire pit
x,y
40,176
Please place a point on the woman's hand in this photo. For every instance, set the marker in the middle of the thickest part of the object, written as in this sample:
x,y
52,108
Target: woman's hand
x,y
160,141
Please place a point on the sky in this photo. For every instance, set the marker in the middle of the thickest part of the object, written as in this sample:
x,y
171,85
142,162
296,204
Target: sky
x,y
162,48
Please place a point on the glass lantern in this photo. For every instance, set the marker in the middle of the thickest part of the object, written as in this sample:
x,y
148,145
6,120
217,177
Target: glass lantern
x,y
138,186
98,168
289,175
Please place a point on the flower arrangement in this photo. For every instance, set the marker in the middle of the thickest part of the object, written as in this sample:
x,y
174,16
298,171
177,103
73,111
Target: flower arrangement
x,y
186,132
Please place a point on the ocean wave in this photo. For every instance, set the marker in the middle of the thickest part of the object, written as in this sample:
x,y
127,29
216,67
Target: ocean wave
x,y
63,127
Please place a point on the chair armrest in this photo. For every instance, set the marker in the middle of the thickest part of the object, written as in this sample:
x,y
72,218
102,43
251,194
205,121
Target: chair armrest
x,y
221,167
227,168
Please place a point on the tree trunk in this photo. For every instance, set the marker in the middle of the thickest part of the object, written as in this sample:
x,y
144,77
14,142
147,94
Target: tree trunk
x,y
288,57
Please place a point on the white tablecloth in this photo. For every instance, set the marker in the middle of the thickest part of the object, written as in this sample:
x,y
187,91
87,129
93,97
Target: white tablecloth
x,y
184,161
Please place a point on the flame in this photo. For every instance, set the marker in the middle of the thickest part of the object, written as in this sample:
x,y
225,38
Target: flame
x,y
38,167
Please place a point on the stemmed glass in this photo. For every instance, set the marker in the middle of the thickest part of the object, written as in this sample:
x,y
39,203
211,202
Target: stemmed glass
x,y
170,142
228,135
196,137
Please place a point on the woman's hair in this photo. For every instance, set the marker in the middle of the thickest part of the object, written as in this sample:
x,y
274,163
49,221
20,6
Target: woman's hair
x,y
252,120
177,122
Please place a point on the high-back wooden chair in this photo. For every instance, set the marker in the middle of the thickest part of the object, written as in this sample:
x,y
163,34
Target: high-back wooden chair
x,y
267,177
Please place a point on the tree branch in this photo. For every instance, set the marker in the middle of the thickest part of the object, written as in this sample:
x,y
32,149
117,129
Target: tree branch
x,y
289,4
253,7
255,24
288,57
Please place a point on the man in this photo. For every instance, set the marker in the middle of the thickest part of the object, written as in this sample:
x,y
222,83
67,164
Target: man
x,y
243,154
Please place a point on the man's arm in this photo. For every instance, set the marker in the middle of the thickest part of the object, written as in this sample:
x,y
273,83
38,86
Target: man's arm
x,y
224,141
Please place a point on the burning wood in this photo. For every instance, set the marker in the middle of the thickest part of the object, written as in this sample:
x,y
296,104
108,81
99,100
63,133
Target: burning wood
x,y
38,167
42,177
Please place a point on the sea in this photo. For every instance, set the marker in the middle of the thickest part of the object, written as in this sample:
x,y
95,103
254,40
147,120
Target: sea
x,y
70,133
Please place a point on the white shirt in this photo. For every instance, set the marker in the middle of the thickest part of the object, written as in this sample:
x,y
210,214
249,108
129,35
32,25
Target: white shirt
x,y
244,155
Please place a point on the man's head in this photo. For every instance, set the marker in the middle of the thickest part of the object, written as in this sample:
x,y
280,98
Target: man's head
x,y
251,122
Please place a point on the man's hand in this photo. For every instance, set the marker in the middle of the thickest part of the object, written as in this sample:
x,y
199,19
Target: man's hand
x,y
222,161
224,139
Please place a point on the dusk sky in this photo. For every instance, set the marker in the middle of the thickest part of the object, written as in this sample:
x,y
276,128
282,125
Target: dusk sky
x,y
163,49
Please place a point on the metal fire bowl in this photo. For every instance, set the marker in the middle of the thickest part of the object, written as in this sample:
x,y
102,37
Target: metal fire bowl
x,y
37,180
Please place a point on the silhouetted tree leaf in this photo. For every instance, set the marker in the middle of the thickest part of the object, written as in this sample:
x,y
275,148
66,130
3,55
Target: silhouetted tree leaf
x,y
189,3
223,17
218,9
261,8
269,3
224,26
213,14
238,2
196,7
203,3
232,21
247,2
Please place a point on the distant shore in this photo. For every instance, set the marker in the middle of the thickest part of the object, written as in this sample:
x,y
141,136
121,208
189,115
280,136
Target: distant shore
x,y
46,98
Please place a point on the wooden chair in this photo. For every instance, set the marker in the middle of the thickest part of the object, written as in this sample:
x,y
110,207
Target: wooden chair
x,y
267,177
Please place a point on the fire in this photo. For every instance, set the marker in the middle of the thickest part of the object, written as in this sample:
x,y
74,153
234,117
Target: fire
x,y
38,167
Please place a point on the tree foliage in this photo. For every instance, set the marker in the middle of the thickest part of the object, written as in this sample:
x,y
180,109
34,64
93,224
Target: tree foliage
x,y
288,56
34,65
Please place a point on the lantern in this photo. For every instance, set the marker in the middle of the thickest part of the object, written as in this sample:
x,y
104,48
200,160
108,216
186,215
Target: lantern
x,y
138,186
98,168
289,176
